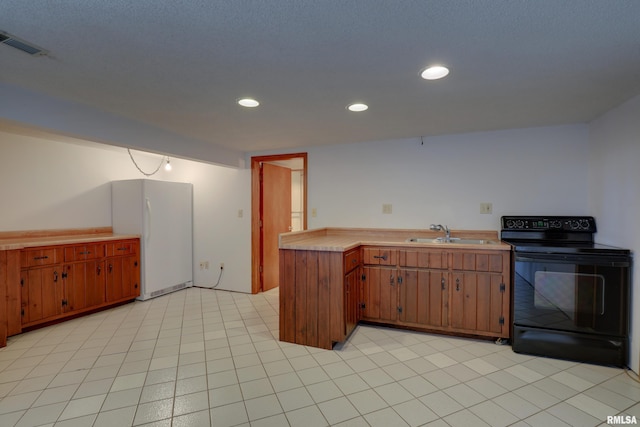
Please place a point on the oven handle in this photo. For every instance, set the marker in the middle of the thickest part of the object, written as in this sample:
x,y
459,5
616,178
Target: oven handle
x,y
575,259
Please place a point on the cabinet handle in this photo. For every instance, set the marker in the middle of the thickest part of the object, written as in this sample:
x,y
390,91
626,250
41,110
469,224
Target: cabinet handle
x,y
99,269
55,276
354,261
391,280
382,257
85,253
36,258
458,284
121,249
110,268
442,283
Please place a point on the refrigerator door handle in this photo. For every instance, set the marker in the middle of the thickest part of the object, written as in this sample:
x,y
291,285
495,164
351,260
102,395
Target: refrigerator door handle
x,y
148,223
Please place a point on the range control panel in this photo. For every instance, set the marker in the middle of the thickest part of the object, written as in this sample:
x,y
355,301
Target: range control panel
x,y
550,223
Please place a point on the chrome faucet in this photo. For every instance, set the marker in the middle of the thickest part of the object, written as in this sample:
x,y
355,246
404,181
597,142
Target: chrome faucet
x,y
438,227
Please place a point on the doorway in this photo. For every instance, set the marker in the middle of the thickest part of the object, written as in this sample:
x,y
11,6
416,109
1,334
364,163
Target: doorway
x,y
278,205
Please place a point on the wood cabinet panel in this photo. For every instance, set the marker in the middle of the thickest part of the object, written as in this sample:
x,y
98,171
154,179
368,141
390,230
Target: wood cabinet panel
x,y
122,278
380,295
41,256
478,302
10,295
83,252
312,297
124,247
379,256
351,303
287,292
4,316
424,258
84,285
474,261
424,297
351,260
307,297
42,293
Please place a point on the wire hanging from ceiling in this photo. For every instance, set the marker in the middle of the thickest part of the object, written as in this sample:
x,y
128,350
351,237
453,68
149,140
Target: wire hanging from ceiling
x,y
143,172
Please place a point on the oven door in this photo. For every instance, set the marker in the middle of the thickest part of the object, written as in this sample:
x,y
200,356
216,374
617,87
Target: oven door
x,y
573,293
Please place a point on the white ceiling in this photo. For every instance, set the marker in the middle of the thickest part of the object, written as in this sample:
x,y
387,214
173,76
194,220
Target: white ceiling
x,y
180,65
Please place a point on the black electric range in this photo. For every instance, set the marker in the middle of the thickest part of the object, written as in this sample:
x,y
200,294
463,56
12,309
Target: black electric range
x,y
570,296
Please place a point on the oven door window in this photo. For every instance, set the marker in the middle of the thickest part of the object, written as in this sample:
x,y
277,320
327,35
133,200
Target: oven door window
x,y
573,296
570,293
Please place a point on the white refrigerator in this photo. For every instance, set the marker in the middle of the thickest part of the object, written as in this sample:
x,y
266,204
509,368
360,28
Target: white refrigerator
x,y
161,213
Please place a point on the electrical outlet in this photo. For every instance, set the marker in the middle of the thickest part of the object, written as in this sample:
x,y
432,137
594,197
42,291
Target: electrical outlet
x,y
387,208
240,213
206,265
486,208
222,266
314,212
202,265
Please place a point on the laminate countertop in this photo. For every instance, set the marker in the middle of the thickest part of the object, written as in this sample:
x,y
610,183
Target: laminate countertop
x,y
30,239
332,239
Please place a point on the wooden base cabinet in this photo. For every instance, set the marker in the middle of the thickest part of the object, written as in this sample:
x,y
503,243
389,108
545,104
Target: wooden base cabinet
x,y
318,296
453,291
324,294
60,281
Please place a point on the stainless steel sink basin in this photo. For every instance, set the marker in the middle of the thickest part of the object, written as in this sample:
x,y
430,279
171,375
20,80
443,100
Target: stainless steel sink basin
x,y
452,240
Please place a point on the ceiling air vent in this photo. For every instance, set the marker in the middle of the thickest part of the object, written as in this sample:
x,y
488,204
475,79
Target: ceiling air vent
x,y
15,42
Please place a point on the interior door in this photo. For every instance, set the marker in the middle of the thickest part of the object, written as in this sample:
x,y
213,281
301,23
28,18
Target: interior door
x,y
276,219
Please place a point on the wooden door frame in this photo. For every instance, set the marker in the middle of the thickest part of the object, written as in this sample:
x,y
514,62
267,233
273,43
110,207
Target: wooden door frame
x,y
256,242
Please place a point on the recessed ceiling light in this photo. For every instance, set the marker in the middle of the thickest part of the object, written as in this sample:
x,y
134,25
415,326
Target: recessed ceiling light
x,y
358,107
434,73
248,102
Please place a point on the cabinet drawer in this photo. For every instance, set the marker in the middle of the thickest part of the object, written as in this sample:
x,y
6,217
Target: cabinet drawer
x,y
379,256
125,247
351,260
424,258
42,256
475,261
83,252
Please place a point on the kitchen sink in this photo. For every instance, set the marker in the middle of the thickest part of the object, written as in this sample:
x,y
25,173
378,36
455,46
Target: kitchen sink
x,y
455,240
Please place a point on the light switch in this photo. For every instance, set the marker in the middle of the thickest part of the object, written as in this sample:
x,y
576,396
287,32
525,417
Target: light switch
x,y
387,208
314,212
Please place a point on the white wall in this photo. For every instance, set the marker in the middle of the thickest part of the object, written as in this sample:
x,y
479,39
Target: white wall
x,y
614,183
48,184
524,171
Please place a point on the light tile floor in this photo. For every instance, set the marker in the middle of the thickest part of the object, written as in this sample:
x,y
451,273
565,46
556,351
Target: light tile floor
x,y
202,357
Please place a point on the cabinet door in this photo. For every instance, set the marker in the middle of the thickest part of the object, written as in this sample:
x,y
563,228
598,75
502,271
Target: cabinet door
x,y
351,301
122,278
84,285
380,295
42,293
477,301
423,297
